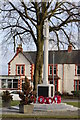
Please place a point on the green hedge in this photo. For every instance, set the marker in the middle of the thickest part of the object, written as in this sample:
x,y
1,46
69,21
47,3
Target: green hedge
x,y
76,93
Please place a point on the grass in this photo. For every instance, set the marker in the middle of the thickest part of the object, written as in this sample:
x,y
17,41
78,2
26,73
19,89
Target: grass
x,y
75,104
15,102
0,103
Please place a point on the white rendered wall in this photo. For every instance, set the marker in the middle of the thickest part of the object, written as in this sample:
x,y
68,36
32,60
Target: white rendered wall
x,y
66,72
60,80
69,74
20,59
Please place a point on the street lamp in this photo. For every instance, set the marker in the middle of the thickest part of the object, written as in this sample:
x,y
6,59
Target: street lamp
x,y
53,67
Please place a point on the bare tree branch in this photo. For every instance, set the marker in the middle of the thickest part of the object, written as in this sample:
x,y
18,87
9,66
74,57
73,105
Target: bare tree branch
x,y
22,20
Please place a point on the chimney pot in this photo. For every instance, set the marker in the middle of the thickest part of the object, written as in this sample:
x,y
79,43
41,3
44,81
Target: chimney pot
x,y
70,48
19,48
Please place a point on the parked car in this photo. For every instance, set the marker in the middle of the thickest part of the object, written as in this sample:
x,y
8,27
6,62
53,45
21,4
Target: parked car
x,y
15,96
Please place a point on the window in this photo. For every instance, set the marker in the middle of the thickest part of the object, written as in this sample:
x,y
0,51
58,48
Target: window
x,y
23,81
56,85
51,69
20,69
77,70
15,83
4,83
9,83
55,70
76,85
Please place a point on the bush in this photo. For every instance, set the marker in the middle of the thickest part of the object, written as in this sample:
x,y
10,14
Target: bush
x,y
58,93
65,94
76,93
27,95
6,96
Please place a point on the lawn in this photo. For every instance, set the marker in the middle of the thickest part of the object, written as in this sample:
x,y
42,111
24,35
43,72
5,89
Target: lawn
x,y
75,104
0,103
15,102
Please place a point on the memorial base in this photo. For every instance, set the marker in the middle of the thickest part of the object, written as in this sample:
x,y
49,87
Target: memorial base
x,y
45,90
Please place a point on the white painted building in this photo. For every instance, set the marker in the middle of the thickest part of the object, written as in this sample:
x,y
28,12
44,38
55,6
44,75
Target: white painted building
x,y
66,70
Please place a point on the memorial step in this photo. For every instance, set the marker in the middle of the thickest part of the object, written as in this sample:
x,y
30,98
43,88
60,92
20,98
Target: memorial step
x,y
54,107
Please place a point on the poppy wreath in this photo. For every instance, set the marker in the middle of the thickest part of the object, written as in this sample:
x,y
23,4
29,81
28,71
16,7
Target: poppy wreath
x,y
57,99
41,99
45,100
33,99
49,100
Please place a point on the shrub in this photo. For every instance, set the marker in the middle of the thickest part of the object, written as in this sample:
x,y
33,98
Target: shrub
x,y
65,94
6,96
58,93
76,93
27,95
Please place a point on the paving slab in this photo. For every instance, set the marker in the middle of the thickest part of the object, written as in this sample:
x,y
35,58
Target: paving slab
x,y
54,107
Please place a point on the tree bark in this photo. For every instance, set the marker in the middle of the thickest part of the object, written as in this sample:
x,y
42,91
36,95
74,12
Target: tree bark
x,y
39,58
40,64
38,67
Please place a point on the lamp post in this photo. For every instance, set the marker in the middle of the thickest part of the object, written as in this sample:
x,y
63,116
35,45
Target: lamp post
x,y
53,68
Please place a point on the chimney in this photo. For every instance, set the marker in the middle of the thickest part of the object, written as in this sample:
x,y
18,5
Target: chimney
x,y
69,48
19,48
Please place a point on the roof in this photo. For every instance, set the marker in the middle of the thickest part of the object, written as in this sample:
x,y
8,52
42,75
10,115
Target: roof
x,y
31,56
60,57
27,56
65,57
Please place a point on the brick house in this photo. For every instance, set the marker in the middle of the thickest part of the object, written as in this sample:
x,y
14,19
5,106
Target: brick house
x,y
66,72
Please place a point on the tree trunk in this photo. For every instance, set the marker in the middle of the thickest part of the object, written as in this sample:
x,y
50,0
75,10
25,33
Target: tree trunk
x,y
40,64
38,67
39,59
